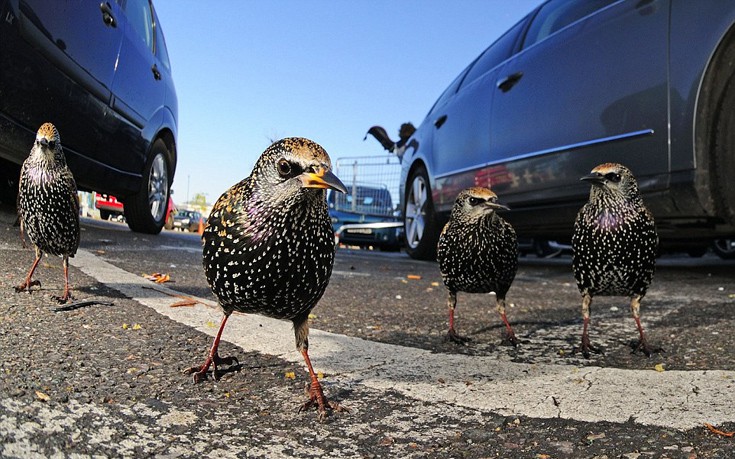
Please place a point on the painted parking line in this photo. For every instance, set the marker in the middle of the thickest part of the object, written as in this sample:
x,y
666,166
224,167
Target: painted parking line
x,y
674,399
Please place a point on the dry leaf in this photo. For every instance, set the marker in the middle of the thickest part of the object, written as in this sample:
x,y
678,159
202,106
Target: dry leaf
x,y
211,324
320,375
414,277
186,302
158,278
659,367
43,397
712,429
126,326
137,327
290,375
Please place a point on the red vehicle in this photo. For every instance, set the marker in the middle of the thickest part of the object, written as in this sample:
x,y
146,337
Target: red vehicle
x,y
109,206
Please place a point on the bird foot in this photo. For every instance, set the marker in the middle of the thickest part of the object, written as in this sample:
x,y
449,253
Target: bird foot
x,y
642,345
509,339
320,401
27,286
586,347
200,373
63,298
453,337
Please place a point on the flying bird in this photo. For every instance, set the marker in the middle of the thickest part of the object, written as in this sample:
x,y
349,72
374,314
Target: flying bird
x,y
48,207
615,245
478,253
269,246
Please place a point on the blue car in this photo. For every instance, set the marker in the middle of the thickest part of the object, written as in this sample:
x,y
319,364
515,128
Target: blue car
x,y
574,84
365,217
100,72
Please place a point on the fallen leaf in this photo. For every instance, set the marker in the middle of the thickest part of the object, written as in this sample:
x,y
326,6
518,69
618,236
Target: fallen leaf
x,y
290,375
435,284
186,302
320,375
711,428
158,278
312,316
414,277
659,367
43,397
211,324
137,327
126,326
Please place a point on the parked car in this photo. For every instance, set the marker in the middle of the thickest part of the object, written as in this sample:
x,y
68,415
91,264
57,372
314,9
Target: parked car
x,y
110,207
365,217
101,73
574,84
187,220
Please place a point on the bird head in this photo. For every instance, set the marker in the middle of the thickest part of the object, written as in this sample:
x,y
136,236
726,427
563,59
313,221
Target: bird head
x,y
48,144
293,165
613,180
476,202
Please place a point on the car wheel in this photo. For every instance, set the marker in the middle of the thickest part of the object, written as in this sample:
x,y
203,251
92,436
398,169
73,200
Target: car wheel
x,y
146,210
419,217
105,214
724,248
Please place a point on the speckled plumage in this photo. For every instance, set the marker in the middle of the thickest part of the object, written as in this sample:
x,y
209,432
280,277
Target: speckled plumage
x,y
478,253
48,209
269,243
614,243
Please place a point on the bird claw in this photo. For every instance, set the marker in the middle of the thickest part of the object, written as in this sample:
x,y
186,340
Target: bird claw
x,y
27,286
200,373
320,401
453,337
586,347
642,345
63,298
509,339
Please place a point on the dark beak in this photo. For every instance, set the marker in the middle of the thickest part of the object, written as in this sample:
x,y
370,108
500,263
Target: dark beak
x,y
323,178
594,179
496,205
43,141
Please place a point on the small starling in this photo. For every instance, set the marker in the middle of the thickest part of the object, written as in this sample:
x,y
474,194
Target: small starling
x,y
478,253
48,209
615,244
269,246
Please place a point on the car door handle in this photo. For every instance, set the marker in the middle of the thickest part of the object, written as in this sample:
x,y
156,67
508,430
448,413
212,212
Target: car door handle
x,y
107,16
156,73
439,121
505,84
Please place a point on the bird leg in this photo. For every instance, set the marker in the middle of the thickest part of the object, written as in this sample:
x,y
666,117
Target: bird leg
x,y
213,359
586,346
27,283
509,337
452,335
67,291
642,344
316,394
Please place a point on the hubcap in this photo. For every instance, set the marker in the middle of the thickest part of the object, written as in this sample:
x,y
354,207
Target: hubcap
x,y
157,183
415,218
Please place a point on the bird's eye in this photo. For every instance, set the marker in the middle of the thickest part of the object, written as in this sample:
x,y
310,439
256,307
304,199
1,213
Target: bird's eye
x,y
613,177
51,144
284,168
475,201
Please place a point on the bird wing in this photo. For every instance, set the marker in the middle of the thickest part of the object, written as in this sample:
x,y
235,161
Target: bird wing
x,y
381,136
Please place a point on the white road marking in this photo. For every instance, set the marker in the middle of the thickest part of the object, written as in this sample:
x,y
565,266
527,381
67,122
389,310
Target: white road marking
x,y
673,399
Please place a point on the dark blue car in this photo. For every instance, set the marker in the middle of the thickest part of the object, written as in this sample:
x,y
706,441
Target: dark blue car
x,y
647,83
101,73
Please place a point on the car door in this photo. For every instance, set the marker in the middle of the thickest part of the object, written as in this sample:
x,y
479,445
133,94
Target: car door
x,y
462,127
588,87
82,41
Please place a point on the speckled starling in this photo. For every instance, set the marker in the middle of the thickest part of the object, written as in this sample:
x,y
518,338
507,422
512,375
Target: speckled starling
x,y
615,245
48,207
269,245
478,253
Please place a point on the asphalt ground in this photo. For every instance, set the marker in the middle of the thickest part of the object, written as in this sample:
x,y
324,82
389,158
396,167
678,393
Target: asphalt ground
x,y
105,379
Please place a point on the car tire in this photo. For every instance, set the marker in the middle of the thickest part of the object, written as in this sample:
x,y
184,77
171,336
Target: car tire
x,y
419,217
145,211
724,248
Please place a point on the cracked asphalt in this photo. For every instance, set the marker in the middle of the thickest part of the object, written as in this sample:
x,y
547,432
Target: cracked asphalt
x,y
106,380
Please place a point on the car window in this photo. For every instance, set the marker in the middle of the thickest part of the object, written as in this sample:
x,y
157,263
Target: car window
x,y
160,44
557,14
140,17
495,54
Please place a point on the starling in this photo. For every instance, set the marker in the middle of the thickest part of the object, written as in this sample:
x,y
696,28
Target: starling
x,y
48,209
478,253
615,245
269,246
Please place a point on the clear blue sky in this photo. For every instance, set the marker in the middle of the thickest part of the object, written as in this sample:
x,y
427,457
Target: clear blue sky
x,y
247,72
